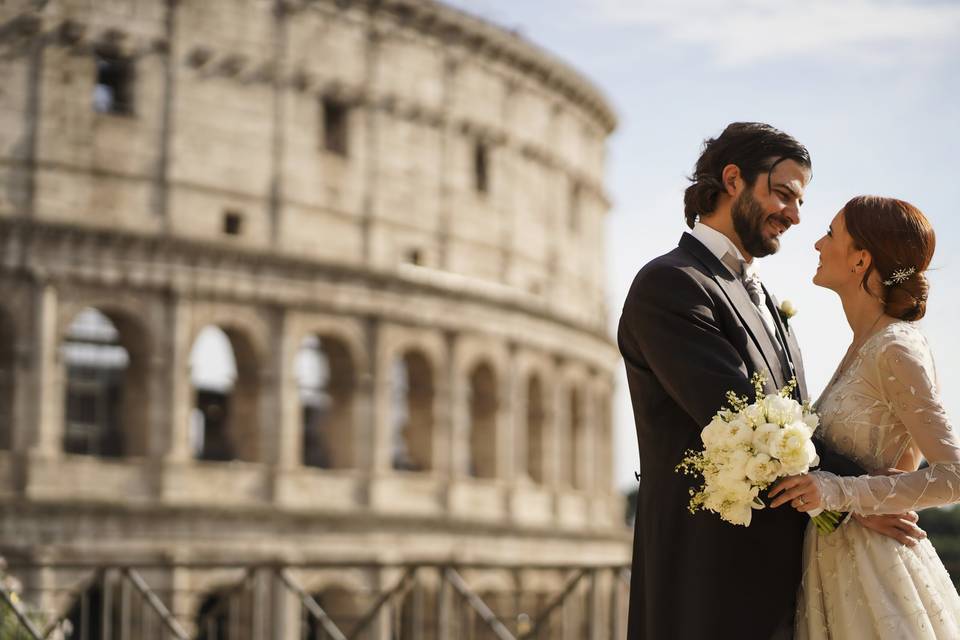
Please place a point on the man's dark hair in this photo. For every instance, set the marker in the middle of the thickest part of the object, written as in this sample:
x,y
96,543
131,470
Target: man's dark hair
x,y
754,147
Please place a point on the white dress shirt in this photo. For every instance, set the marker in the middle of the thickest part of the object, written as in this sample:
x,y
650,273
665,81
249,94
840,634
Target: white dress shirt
x,y
720,245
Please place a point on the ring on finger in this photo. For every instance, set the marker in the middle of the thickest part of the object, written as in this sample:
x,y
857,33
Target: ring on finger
x,y
801,500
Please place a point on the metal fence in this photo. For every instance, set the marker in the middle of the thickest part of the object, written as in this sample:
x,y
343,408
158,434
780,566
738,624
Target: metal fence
x,y
411,601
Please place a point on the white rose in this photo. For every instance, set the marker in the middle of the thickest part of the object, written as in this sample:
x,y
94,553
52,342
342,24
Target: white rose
x,y
737,489
763,435
763,469
812,421
739,431
737,513
713,434
794,449
734,466
756,413
782,410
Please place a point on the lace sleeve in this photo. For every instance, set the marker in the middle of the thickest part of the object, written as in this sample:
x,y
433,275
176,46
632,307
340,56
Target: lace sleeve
x,y
907,382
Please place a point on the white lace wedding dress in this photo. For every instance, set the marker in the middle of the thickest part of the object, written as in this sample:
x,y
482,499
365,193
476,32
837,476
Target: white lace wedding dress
x,y
856,583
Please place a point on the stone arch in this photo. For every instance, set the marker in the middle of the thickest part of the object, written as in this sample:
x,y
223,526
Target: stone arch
x,y
225,420
225,613
413,397
482,408
326,376
105,355
8,340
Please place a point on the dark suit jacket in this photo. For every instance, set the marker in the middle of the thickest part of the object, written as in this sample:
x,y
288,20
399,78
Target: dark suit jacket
x,y
688,334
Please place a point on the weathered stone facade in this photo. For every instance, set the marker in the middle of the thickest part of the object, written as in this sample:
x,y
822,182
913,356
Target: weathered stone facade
x,y
404,182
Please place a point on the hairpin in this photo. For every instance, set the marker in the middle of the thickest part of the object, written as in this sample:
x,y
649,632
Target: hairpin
x,y
900,276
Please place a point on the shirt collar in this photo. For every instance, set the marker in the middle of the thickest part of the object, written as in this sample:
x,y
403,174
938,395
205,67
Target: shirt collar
x,y
719,245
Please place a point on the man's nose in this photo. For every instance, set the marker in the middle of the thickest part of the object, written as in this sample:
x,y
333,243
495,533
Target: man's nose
x,y
792,213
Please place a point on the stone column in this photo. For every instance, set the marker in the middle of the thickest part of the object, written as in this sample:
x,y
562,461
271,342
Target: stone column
x,y
46,383
519,452
586,449
381,456
459,412
442,416
556,474
178,375
508,420
288,438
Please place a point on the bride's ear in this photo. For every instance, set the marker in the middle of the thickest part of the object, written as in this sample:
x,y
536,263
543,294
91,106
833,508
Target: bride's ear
x,y
863,260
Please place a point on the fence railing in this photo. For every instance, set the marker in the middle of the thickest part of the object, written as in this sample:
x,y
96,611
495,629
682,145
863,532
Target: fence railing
x,y
316,601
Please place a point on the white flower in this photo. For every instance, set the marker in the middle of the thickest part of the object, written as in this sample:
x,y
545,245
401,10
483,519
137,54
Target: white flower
x,y
763,436
732,465
788,309
762,469
756,413
782,410
713,434
739,431
812,421
737,513
794,449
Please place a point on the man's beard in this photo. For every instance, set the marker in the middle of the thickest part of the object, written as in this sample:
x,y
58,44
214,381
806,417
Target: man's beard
x,y
748,220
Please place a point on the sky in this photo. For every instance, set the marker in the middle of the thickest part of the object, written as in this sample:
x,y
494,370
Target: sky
x,y
869,86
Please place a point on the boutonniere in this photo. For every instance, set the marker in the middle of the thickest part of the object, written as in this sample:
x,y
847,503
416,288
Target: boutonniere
x,y
787,311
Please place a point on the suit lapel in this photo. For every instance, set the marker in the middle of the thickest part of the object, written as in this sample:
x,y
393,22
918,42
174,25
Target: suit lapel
x,y
789,339
740,302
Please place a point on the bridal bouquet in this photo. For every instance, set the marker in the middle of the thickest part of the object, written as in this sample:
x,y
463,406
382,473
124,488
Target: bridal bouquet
x,y
747,446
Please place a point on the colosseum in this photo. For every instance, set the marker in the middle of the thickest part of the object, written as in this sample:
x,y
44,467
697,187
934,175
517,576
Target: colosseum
x,y
302,325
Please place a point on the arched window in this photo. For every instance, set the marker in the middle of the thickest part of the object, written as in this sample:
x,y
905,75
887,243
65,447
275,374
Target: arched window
x,y
224,420
226,614
325,380
412,400
98,608
105,386
483,404
536,417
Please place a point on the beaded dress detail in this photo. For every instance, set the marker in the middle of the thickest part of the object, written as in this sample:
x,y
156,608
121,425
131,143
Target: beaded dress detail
x,y
882,410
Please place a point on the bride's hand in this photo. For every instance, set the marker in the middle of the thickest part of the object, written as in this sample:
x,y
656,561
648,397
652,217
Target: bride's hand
x,y
802,492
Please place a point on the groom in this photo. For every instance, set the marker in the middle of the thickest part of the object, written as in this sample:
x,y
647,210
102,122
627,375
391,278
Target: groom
x,y
697,323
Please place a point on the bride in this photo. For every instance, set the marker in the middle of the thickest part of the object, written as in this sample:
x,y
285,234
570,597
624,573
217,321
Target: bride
x,y
882,410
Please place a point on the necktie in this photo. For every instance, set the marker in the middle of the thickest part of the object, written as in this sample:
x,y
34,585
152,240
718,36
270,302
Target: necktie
x,y
754,289
751,282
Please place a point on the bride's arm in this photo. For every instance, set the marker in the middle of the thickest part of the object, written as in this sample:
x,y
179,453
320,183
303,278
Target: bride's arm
x,y
909,389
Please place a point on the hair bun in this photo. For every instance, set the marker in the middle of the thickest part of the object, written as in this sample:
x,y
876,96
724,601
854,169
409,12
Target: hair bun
x,y
907,300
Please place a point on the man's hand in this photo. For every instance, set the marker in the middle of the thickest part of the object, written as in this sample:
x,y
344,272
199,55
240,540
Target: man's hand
x,y
901,527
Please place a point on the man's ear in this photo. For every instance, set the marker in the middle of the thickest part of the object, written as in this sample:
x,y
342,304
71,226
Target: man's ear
x,y
732,180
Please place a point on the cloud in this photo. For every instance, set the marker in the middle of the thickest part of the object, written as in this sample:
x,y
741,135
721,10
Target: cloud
x,y
740,32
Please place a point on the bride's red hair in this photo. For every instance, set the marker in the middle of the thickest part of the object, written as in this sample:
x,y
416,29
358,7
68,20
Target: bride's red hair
x,y
899,238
